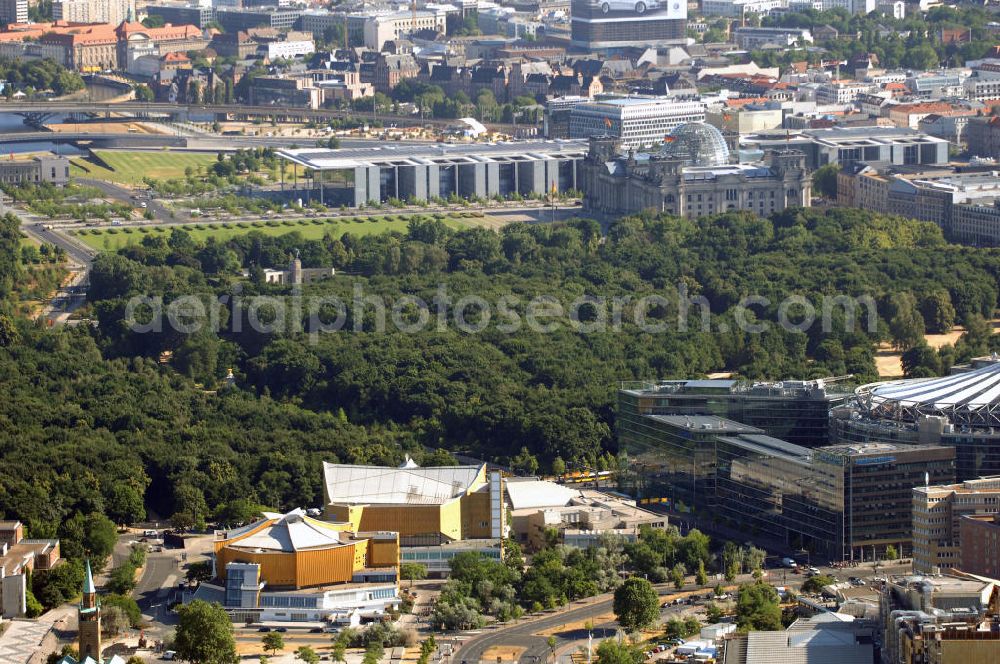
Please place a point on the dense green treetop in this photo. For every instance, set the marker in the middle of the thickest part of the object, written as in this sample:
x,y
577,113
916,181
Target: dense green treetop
x,y
94,417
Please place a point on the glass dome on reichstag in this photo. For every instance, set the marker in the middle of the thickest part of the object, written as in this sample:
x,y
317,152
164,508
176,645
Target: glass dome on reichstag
x,y
697,144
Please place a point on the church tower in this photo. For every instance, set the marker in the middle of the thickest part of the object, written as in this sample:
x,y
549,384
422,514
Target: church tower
x,y
89,616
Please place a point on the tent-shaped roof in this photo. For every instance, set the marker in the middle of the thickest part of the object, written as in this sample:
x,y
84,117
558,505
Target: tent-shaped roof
x,y
346,484
290,532
974,389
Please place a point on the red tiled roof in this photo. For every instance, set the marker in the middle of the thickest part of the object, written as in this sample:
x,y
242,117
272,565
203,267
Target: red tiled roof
x,y
926,107
738,103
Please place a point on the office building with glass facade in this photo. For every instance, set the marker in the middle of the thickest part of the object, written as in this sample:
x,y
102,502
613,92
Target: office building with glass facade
x,y
878,480
671,458
794,411
781,493
839,502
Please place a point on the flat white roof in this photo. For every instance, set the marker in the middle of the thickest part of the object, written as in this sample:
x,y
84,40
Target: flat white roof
x,y
539,493
347,484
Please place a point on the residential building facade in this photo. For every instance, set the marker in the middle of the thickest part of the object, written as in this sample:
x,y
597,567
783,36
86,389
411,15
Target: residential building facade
x,y
980,552
93,11
937,516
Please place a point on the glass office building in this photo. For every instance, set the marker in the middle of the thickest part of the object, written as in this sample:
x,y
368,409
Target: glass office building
x,y
878,491
794,411
781,493
841,502
672,458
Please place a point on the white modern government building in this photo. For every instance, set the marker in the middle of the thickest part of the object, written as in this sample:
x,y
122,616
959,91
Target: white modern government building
x,y
635,121
359,176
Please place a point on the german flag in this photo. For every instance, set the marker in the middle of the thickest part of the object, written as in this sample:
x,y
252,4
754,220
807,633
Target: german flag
x,y
607,122
669,139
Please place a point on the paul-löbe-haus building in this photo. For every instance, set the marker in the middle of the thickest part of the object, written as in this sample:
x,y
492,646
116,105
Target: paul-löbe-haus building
x,y
839,502
360,176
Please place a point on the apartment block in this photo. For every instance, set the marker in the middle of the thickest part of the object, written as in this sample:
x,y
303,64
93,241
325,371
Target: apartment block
x,y
980,552
937,514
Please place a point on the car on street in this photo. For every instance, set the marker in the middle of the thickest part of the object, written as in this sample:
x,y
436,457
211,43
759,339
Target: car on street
x,y
264,629
169,655
280,629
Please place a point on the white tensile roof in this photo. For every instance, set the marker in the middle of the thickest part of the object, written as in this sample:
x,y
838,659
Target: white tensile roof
x,y
971,390
290,532
539,493
346,484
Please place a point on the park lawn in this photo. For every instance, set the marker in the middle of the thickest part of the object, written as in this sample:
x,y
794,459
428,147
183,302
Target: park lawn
x,y
83,168
111,239
131,166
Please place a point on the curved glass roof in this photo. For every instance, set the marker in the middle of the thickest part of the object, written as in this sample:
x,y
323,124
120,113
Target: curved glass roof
x,y
697,144
973,389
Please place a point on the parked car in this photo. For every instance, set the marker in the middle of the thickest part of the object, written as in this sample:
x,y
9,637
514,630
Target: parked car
x,y
169,655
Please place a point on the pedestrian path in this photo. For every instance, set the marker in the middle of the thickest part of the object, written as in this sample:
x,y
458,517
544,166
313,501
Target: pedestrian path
x,y
21,639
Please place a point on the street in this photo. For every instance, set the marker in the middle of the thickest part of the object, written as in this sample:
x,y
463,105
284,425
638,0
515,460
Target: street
x,y
527,633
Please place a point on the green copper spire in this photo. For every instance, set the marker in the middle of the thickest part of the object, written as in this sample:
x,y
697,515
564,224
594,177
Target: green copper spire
x,y
88,580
